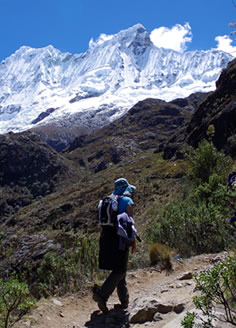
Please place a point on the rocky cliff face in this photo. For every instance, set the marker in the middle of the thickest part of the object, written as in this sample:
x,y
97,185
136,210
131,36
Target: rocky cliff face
x,y
219,109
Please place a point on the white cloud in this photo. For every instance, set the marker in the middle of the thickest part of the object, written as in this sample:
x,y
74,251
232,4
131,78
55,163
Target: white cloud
x,y
172,38
102,38
224,44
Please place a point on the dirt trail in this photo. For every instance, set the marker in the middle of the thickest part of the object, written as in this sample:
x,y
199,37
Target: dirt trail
x,y
80,311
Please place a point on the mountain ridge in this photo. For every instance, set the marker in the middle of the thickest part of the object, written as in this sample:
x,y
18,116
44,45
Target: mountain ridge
x,y
145,127
40,87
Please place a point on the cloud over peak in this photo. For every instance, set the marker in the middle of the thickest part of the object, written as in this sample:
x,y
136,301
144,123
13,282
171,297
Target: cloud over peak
x,y
177,37
224,44
174,38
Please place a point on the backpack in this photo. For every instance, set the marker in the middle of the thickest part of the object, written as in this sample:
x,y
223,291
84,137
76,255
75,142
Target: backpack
x,y
231,178
108,210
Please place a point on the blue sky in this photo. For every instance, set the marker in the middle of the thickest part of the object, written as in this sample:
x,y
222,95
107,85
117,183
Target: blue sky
x,y
69,25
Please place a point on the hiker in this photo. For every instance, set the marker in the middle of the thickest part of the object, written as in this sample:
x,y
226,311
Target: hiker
x,y
232,193
111,256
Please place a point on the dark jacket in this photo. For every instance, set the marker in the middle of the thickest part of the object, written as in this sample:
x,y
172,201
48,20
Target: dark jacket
x,y
125,230
110,257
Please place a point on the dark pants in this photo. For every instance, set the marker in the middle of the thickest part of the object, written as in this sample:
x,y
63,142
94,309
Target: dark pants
x,y
116,279
114,260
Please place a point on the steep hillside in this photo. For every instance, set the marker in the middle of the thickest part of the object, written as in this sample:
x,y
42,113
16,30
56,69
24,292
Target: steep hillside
x,y
219,109
145,127
29,170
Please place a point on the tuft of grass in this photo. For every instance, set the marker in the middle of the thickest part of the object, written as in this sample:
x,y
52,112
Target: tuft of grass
x,y
160,254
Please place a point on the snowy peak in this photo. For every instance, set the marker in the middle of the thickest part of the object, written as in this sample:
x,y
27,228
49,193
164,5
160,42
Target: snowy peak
x,y
27,67
135,36
141,41
136,33
45,86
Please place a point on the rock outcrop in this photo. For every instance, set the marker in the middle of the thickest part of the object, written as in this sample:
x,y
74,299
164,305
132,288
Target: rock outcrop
x,y
217,109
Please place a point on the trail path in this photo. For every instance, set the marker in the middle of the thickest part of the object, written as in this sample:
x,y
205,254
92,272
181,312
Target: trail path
x,y
80,311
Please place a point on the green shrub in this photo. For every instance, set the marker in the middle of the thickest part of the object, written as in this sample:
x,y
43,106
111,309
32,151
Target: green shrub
x,y
189,320
191,228
15,302
71,272
218,288
205,161
198,223
214,192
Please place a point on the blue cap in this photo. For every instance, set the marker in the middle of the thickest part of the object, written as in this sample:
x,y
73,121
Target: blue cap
x,y
122,187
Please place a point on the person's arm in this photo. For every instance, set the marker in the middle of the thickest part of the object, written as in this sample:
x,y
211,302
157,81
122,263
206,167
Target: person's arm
x,y
129,210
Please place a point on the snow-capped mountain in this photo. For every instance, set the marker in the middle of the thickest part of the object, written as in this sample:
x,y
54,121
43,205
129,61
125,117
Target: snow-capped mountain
x,y
41,87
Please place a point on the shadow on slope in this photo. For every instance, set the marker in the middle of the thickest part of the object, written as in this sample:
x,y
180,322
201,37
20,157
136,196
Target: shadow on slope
x,y
29,170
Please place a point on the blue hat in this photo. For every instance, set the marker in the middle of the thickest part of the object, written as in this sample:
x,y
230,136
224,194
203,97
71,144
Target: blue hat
x,y
122,187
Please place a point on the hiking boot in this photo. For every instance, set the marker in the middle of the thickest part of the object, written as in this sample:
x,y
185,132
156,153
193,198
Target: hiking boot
x,y
122,305
101,303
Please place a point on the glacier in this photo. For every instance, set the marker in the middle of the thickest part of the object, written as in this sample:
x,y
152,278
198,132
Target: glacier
x,y
45,87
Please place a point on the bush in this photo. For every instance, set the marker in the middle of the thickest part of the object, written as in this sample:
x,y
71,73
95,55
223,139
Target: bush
x,y
71,272
198,222
191,228
15,302
218,289
206,161
189,320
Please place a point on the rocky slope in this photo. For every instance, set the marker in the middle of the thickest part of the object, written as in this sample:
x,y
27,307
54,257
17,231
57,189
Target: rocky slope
x,y
146,126
53,223
219,110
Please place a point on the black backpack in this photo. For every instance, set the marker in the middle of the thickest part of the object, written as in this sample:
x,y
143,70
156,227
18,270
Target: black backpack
x,y
108,210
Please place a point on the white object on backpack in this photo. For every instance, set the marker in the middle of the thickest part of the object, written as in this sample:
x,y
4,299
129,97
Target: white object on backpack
x,y
108,210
